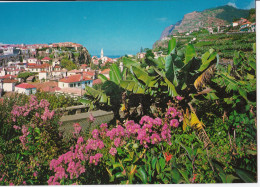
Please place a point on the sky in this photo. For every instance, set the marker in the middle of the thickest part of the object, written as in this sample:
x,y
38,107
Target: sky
x,y
119,27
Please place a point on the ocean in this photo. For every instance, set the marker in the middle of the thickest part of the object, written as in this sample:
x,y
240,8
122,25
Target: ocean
x,y
110,56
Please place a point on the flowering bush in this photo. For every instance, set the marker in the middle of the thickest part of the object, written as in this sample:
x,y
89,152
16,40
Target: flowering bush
x,y
118,150
37,141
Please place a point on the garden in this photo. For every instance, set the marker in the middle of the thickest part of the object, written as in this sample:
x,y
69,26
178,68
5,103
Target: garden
x,y
183,118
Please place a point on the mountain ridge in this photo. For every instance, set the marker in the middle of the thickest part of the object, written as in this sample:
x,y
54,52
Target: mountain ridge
x,y
212,17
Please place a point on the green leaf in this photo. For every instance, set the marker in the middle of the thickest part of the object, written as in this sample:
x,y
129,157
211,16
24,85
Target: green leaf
x,y
171,45
207,58
132,86
115,74
245,176
119,174
184,175
116,165
143,76
154,162
37,130
102,77
142,175
169,68
190,53
128,62
85,101
162,163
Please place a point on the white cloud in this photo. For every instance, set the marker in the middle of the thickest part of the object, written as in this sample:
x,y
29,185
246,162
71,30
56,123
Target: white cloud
x,y
251,5
232,4
164,19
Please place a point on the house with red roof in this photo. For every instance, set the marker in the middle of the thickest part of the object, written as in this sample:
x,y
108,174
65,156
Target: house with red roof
x,y
105,72
9,85
74,72
25,88
46,59
75,81
84,67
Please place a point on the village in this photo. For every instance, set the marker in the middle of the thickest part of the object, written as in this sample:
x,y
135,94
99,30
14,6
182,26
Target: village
x,y
48,76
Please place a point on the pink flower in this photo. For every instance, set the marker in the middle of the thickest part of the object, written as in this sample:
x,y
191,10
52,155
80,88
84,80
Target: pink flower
x,y
24,182
179,98
171,112
11,184
80,140
155,138
91,118
113,151
95,134
77,128
146,120
103,126
95,159
35,174
16,127
174,123
157,121
117,142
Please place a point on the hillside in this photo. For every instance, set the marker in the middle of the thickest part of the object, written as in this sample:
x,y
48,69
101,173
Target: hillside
x,y
212,17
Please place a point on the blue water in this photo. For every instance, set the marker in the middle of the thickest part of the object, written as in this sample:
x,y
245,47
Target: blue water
x,y
110,56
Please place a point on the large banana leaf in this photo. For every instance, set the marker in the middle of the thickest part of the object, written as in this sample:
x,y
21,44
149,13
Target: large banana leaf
x,y
171,87
115,74
189,53
171,46
128,63
97,95
132,86
102,77
143,76
206,59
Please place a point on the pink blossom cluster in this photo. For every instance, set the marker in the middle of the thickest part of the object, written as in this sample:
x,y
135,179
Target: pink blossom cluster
x,y
47,114
32,109
77,128
71,164
23,138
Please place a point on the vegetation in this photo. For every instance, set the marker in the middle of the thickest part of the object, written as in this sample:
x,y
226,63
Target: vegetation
x,y
183,118
68,64
25,75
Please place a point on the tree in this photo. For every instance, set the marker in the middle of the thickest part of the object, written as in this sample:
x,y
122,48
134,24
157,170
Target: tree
x,y
68,64
25,75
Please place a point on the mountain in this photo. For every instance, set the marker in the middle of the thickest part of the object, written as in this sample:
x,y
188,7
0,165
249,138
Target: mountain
x,y
212,17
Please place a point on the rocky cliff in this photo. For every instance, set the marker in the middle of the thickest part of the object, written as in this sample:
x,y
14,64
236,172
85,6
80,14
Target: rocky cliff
x,y
213,17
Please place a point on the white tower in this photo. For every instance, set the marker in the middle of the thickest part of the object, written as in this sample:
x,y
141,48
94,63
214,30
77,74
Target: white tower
x,y
101,54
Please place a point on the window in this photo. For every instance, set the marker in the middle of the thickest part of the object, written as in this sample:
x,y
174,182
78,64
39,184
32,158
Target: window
x,y
71,85
79,84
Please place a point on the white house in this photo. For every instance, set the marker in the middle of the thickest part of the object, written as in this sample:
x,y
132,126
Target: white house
x,y
43,75
75,81
32,60
74,72
46,59
25,88
9,85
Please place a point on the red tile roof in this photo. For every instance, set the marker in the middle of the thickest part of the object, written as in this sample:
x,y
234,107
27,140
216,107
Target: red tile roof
x,y
8,76
89,73
75,78
25,85
46,58
9,81
97,81
105,71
